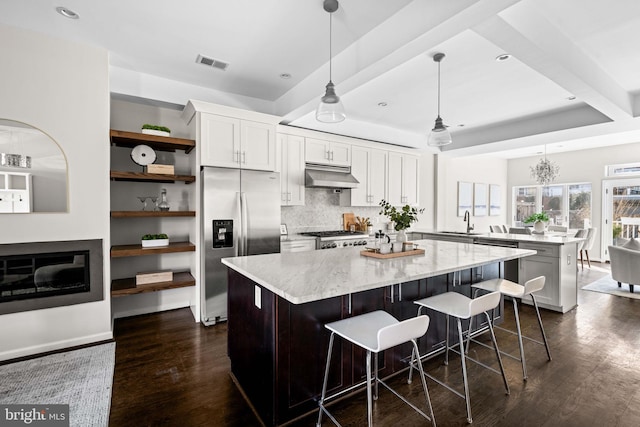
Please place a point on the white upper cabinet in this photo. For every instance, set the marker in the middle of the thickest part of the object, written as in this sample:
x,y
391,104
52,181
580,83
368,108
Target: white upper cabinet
x,y
327,152
369,167
404,176
236,143
291,170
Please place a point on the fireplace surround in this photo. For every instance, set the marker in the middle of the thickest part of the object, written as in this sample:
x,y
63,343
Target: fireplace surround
x,y
40,275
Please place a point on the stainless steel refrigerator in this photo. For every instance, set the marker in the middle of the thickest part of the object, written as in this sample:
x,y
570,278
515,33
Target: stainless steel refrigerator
x,y
241,215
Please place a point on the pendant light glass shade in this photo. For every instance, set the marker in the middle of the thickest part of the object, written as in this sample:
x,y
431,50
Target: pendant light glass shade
x,y
330,109
439,135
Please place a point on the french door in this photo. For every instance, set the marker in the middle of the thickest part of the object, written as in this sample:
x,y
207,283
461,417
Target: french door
x,y
620,211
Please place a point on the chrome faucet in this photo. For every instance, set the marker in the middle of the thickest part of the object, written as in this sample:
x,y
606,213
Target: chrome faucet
x,y
467,219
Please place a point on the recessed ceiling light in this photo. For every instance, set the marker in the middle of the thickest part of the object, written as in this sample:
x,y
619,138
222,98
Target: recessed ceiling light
x,y
285,76
67,13
382,104
461,125
503,57
571,98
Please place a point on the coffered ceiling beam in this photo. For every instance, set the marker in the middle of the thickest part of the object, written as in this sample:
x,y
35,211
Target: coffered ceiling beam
x,y
536,42
414,30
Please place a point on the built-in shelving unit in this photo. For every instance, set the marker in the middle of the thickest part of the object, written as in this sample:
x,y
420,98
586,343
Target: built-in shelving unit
x,y
127,286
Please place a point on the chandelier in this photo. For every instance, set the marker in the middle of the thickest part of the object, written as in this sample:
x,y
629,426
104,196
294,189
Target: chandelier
x,y
546,171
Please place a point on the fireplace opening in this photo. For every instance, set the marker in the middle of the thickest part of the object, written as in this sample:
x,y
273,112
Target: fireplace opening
x,y
43,275
50,274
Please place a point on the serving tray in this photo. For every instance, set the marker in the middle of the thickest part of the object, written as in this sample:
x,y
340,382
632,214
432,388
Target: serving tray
x,y
391,254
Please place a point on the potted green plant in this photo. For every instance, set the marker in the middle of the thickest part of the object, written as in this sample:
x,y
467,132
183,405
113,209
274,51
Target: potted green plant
x,y
155,240
402,218
156,130
539,221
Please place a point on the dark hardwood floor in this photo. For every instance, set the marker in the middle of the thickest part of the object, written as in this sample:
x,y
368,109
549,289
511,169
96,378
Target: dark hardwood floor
x,y
172,371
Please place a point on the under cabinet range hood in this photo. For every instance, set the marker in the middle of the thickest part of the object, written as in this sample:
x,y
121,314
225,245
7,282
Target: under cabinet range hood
x,y
324,176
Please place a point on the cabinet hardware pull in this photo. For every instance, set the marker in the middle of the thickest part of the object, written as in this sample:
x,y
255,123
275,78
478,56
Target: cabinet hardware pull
x,y
328,155
391,290
244,157
331,156
236,156
289,197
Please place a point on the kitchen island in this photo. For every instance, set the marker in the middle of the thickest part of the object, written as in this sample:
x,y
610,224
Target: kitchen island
x,y
556,259
279,303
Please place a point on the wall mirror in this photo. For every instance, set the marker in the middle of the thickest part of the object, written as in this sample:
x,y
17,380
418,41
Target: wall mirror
x,y
33,170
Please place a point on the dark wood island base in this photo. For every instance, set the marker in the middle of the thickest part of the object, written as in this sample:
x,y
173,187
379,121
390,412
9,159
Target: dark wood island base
x,y
278,351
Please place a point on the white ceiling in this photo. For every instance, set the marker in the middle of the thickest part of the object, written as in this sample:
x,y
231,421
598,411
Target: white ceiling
x,y
582,49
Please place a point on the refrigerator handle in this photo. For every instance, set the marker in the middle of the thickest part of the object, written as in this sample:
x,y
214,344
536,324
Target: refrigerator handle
x,y
243,224
239,246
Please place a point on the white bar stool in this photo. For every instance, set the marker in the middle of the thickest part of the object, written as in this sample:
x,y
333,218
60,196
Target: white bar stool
x,y
517,291
462,307
375,332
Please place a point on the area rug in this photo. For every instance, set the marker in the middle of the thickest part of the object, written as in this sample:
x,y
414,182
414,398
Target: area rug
x,y
609,286
81,378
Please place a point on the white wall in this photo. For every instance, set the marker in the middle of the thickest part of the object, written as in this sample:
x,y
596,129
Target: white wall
x,y
472,169
578,166
61,88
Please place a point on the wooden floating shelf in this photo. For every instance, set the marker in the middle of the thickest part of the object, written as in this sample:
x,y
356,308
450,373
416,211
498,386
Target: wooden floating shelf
x,y
150,177
150,214
127,286
137,250
121,138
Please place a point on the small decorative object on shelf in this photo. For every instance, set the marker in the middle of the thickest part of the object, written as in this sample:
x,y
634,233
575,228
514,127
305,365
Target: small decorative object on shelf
x,y
154,277
143,155
155,240
539,221
163,205
161,169
402,218
156,130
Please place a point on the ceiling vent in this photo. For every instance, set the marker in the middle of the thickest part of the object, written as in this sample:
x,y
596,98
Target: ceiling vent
x,y
214,63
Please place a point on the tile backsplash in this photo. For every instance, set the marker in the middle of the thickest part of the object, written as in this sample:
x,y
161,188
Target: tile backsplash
x,y
322,211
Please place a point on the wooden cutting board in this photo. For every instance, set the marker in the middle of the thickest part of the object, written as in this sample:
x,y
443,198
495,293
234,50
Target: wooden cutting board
x,y
348,219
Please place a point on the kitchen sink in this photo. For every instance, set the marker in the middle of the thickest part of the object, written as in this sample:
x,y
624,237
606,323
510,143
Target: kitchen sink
x,y
461,233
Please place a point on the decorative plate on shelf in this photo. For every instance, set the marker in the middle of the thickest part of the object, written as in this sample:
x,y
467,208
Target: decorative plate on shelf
x,y
143,155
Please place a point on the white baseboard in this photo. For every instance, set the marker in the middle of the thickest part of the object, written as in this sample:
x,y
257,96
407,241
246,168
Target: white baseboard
x,y
53,346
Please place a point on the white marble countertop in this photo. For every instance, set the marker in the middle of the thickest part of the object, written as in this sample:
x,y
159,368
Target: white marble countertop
x,y
552,238
315,275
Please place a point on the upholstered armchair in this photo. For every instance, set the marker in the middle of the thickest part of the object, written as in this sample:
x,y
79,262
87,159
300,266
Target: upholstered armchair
x,y
625,265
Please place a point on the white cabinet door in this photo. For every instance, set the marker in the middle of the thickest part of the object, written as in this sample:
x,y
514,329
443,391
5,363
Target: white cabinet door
x,y
404,174
394,189
327,152
6,202
257,146
316,151
340,154
220,141
360,170
410,179
369,167
534,266
377,176
292,173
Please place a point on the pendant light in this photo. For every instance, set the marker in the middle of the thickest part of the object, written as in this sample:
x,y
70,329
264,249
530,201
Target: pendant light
x,y
330,109
545,171
439,135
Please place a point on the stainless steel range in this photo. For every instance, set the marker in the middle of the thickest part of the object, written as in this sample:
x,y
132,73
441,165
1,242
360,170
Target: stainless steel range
x,y
338,238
